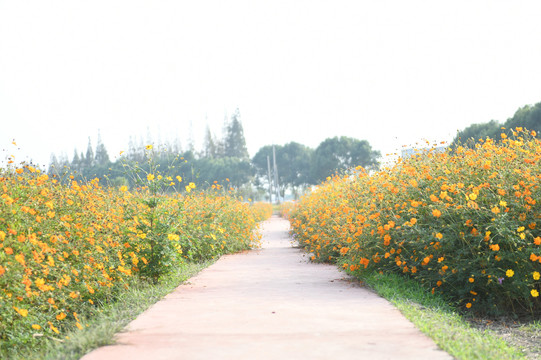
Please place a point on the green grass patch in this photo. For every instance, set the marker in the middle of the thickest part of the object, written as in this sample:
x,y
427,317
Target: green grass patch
x,y
435,317
108,319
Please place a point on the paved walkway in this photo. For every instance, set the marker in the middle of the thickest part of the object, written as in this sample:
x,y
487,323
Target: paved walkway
x,y
270,304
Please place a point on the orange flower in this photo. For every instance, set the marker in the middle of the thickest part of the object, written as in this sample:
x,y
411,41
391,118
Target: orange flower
x,y
436,213
537,241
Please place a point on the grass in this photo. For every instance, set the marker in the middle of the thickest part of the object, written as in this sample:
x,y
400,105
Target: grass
x,y
109,319
433,315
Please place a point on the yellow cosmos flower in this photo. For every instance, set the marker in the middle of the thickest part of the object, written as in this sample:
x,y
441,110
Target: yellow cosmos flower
x,y
150,177
509,273
536,275
36,327
149,147
534,293
22,312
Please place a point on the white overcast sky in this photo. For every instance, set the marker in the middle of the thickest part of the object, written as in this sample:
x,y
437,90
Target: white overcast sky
x,y
392,72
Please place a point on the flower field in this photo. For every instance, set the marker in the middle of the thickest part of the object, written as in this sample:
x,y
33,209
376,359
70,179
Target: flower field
x,y
464,223
65,249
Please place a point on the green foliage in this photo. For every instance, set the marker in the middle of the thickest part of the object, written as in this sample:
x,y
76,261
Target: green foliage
x,y
471,135
341,153
234,142
293,161
465,224
528,117
67,246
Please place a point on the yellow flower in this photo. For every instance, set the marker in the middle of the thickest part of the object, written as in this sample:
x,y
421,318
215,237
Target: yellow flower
x,y
495,210
36,327
509,273
439,236
124,188
150,177
22,312
534,293
536,275
149,147
179,178
192,185
503,203
173,237
473,196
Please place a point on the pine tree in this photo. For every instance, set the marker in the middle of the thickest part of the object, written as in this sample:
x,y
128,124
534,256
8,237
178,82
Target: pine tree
x,y
89,157
210,150
102,157
234,143
76,161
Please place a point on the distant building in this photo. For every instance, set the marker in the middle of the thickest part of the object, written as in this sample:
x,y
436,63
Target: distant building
x,y
406,153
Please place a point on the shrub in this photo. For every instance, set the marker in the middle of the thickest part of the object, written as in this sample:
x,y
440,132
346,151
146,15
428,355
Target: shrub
x,y
64,249
463,223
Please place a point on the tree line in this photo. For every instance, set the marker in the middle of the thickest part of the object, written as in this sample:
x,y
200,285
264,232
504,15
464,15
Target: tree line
x,y
528,116
223,160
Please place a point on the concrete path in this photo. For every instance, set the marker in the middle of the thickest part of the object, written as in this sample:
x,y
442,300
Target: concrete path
x,y
270,304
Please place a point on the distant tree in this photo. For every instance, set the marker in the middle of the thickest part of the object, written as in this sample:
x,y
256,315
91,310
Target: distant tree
x,y
89,157
293,161
210,147
234,142
76,161
471,135
238,171
53,165
102,157
528,117
342,153
260,164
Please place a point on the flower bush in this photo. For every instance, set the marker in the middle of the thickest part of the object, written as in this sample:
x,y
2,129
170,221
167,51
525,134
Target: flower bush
x,y
465,223
64,249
